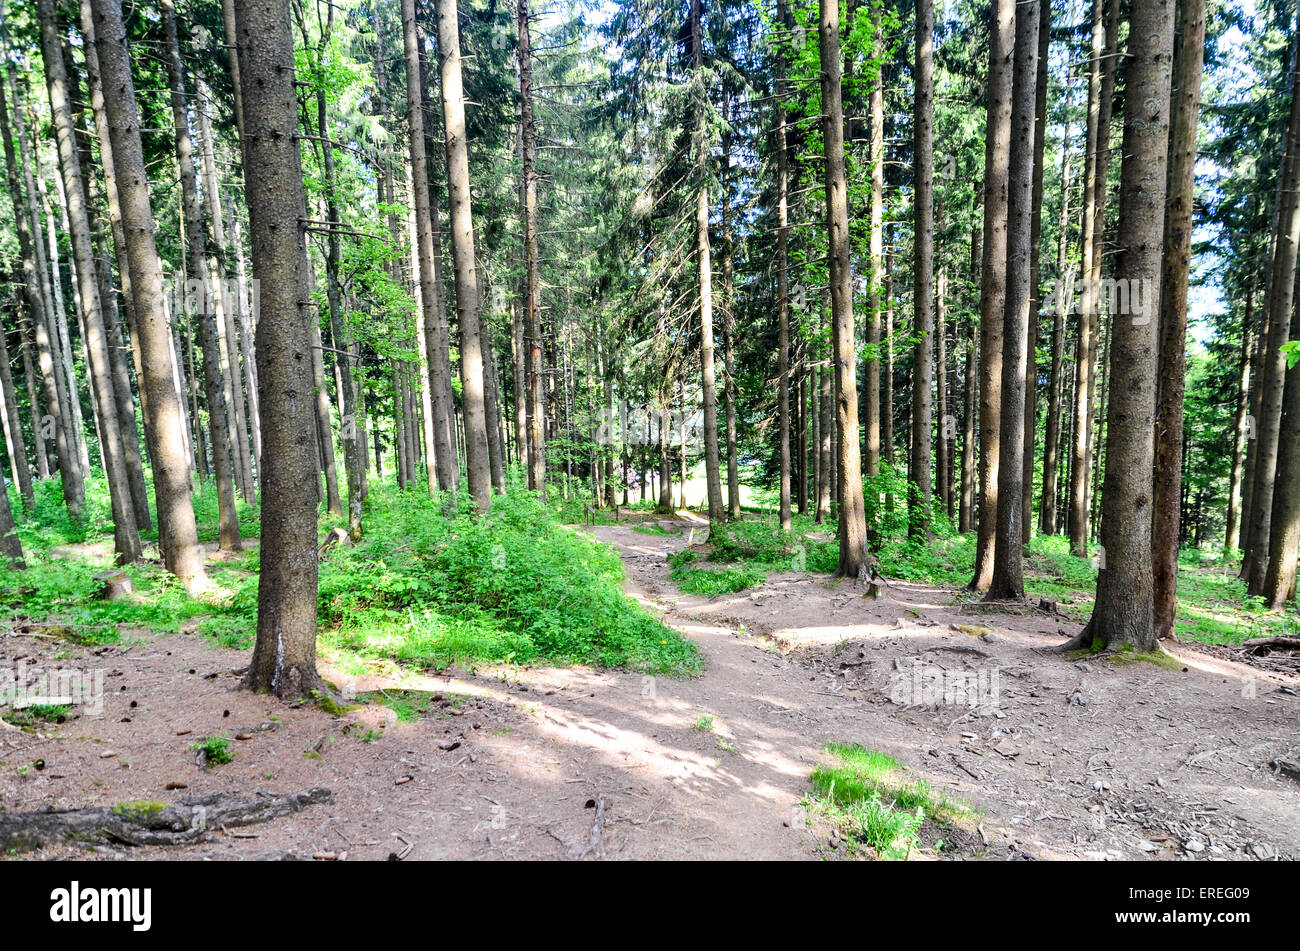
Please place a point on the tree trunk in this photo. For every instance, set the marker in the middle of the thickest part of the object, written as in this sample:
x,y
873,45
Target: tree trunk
x,y
354,450
532,279
443,471
993,283
876,249
946,444
918,508
284,656
1239,426
21,472
1035,292
1008,550
126,536
966,508
783,298
462,244
1101,84
854,559
230,304
35,305
196,242
1273,370
708,395
1060,301
1123,612
124,401
177,533
1168,473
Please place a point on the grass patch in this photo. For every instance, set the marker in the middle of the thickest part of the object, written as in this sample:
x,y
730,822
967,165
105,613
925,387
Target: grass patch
x,y
654,528
28,718
872,799
711,582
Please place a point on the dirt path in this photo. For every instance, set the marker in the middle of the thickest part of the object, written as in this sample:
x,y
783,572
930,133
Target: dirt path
x,y
1066,759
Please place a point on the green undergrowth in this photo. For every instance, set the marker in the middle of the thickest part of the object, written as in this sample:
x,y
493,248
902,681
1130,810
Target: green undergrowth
x,y
423,588
511,586
873,801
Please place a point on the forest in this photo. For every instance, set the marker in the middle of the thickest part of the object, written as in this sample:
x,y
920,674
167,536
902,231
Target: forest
x,y
586,429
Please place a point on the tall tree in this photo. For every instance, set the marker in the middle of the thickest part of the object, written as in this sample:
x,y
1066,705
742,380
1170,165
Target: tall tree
x,y
922,272
205,296
284,655
1184,111
854,561
442,468
781,133
1123,612
993,281
1008,552
462,248
164,424
708,385
1101,84
532,325
126,536
1273,367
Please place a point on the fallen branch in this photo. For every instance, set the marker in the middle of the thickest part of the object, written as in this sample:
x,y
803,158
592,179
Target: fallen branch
x,y
149,823
1279,643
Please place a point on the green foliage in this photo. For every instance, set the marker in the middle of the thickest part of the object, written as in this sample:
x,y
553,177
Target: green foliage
x,y
57,589
215,749
711,582
870,796
513,585
28,718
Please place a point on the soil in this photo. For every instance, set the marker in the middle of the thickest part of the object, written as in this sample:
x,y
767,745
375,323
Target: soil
x,y
1061,758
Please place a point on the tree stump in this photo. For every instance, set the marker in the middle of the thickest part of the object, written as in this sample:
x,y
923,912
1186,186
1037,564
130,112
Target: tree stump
x,y
336,537
115,585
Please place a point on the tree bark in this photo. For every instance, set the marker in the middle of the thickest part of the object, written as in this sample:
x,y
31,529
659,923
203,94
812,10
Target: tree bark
x,y
284,655
993,282
1035,241
1273,368
126,536
532,279
1239,425
708,386
1060,299
462,243
918,509
124,401
21,472
197,270
177,533
1008,550
1101,85
1168,473
854,559
1123,612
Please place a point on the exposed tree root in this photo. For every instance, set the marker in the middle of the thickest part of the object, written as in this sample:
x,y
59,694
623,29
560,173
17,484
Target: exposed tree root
x,y
150,823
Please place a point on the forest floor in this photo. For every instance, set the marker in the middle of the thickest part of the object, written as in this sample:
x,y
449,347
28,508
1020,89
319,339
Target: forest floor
x,y
1057,758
